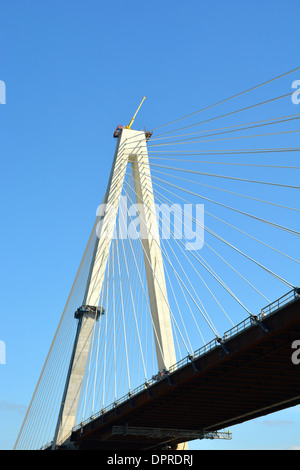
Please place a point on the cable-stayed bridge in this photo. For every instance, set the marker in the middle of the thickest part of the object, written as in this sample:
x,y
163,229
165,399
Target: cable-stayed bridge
x,y
183,317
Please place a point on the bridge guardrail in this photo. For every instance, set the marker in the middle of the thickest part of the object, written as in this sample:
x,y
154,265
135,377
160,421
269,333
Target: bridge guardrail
x,y
283,300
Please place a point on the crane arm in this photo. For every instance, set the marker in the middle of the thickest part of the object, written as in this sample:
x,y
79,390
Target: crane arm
x,y
130,124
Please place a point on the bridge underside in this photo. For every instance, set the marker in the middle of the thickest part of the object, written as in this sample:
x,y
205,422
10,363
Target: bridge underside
x,y
255,377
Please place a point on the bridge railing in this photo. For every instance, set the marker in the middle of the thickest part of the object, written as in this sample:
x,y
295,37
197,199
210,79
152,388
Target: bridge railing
x,y
283,300
243,325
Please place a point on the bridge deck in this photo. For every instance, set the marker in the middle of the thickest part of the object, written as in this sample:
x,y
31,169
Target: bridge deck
x,y
255,377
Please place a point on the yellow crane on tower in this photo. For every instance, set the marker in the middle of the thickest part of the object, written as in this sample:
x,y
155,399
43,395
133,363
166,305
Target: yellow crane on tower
x,y
119,128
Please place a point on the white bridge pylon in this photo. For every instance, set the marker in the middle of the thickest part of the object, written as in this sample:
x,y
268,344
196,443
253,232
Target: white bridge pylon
x,y
131,150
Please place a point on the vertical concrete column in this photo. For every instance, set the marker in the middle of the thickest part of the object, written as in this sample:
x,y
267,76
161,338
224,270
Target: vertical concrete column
x,y
86,316
153,260
107,223
158,296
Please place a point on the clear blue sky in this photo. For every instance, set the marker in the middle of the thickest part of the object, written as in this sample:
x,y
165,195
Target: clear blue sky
x,y
74,70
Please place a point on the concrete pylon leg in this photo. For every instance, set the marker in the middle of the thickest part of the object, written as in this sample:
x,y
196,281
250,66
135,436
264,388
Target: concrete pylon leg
x,y
159,305
158,296
67,414
86,318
